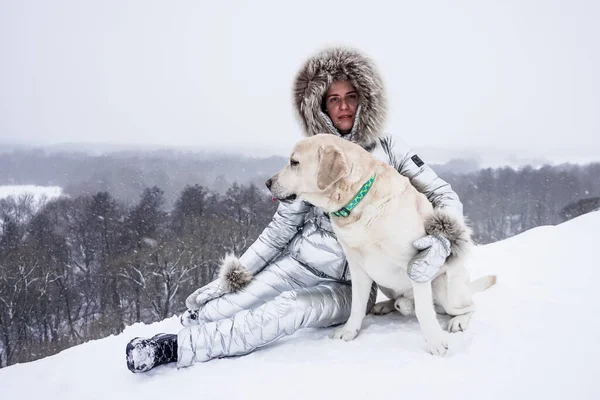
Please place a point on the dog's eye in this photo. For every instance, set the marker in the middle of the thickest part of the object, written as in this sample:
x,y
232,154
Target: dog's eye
x,y
293,163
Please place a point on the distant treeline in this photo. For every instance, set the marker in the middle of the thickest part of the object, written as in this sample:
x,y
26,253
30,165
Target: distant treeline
x,y
125,174
503,202
83,267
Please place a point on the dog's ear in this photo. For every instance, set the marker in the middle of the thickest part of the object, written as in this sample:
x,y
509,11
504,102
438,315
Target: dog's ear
x,y
332,166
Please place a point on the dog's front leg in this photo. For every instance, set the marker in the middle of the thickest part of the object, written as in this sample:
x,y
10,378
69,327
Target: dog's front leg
x,y
361,290
435,336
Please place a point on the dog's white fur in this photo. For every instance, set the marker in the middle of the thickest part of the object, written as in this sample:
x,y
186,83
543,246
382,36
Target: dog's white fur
x,y
377,237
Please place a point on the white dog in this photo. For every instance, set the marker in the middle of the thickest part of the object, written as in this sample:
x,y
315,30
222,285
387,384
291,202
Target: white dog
x,y
377,235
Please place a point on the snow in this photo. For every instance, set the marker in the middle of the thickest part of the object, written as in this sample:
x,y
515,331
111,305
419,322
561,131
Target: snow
x,y
38,192
534,335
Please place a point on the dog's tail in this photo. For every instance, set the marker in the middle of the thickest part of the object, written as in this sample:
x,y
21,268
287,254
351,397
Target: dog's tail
x,y
483,283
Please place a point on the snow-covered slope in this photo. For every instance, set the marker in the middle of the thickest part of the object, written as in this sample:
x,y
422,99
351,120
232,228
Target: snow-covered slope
x,y
536,335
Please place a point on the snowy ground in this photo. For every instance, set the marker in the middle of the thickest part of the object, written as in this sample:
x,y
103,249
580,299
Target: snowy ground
x,y
535,336
38,192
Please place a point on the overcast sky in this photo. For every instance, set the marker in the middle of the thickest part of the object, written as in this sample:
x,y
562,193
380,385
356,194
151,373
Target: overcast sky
x,y
508,74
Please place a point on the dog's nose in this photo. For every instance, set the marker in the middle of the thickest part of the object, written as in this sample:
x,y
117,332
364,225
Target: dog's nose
x,y
269,182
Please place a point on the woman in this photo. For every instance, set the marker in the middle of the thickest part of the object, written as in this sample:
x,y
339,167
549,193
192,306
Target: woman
x,y
295,274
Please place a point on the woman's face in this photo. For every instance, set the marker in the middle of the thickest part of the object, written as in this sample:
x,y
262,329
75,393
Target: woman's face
x,y
341,101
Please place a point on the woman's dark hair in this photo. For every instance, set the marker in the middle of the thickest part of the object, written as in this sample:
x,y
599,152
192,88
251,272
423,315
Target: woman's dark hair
x,y
324,103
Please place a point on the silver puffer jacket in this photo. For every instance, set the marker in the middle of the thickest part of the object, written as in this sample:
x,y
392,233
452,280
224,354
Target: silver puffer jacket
x,y
305,232
300,274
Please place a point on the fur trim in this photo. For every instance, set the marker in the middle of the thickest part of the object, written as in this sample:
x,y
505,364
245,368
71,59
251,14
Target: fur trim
x,y
233,276
319,72
454,229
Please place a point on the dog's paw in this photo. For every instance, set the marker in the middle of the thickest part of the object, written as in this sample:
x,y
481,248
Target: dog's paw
x,y
344,334
459,323
438,346
405,306
382,308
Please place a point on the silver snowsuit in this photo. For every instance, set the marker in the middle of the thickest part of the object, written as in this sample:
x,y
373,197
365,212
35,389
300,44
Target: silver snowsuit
x,y
300,274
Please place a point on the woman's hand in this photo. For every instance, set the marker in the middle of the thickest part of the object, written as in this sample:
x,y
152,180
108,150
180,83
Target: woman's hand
x,y
434,249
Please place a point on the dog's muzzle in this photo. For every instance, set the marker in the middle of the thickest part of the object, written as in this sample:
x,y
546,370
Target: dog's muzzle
x,y
287,199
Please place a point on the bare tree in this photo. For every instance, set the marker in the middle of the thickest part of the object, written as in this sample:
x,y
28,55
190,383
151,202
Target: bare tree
x,y
160,278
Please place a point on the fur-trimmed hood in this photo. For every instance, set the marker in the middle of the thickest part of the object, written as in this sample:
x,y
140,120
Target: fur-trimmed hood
x,y
315,77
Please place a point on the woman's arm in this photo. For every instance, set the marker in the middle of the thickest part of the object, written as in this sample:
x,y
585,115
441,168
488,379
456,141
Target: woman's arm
x,y
275,237
422,177
272,241
447,233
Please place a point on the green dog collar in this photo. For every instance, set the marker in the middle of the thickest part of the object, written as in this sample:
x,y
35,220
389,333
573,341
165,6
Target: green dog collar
x,y
345,211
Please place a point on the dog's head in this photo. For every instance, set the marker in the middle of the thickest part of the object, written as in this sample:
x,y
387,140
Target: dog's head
x,y
315,166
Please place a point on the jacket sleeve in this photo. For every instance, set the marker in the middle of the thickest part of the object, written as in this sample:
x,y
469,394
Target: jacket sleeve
x,y
275,237
286,222
422,177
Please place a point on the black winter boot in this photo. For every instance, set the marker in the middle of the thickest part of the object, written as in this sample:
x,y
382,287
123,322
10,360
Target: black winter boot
x,y
145,354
